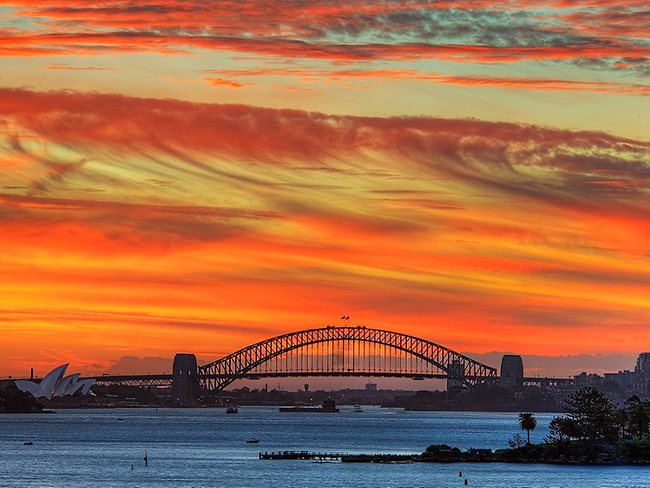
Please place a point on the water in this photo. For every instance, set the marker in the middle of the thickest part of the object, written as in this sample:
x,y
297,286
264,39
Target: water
x,y
207,448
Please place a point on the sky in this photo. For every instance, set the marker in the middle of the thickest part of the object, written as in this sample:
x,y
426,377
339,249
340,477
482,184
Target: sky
x,y
186,176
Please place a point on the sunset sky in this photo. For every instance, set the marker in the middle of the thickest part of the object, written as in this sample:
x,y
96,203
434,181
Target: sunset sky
x,y
186,176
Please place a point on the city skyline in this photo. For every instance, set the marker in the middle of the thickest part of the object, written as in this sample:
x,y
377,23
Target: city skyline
x,y
198,179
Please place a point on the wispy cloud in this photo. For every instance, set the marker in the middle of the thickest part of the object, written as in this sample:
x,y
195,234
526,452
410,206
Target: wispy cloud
x,y
416,75
68,67
238,210
156,223
364,30
220,82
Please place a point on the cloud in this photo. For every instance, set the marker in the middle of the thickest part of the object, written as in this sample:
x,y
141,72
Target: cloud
x,y
68,67
139,226
225,83
89,43
564,366
284,168
552,164
416,75
146,365
468,31
212,214
117,227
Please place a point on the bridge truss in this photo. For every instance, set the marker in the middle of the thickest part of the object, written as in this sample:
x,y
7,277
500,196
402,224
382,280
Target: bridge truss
x,y
141,381
344,351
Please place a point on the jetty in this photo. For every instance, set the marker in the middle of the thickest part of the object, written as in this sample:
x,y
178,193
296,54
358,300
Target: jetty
x,y
382,458
301,455
443,454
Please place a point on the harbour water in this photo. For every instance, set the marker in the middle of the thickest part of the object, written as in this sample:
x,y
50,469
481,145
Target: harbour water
x,y
207,448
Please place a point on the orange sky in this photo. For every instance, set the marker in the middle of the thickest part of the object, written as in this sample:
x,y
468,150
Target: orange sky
x,y
169,183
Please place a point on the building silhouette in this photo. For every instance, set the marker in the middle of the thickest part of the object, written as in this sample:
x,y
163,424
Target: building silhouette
x,y
635,382
642,375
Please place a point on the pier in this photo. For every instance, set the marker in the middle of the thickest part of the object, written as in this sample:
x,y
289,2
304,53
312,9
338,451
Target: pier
x,y
301,455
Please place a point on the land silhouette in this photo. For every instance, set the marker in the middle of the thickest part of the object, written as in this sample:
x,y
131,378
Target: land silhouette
x,y
592,431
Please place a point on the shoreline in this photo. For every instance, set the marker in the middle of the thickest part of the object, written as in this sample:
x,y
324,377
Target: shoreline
x,y
418,458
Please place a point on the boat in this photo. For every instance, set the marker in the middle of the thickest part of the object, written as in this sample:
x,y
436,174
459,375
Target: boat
x,y
328,406
357,408
252,440
232,410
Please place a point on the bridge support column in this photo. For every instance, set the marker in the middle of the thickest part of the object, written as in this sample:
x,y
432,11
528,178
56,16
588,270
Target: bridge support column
x,y
185,379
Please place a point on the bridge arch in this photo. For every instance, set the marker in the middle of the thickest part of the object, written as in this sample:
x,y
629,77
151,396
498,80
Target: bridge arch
x,y
218,374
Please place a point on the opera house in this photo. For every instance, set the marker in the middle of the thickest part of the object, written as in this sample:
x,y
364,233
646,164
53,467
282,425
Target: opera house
x,y
56,385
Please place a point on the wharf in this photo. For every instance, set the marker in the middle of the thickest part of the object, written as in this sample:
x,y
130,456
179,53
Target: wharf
x,y
301,455
382,458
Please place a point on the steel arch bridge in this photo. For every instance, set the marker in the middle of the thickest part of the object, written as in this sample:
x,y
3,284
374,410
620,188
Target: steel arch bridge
x,y
344,351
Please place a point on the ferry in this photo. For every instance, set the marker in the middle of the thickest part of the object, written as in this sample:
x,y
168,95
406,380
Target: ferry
x,y
329,406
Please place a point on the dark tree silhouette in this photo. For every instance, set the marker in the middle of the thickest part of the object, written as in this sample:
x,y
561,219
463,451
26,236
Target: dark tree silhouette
x,y
593,414
637,417
562,429
14,400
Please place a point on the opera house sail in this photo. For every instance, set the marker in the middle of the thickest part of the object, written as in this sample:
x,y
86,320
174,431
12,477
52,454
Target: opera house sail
x,y
56,385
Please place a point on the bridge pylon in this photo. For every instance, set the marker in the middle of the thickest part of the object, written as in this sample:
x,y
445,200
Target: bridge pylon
x,y
185,379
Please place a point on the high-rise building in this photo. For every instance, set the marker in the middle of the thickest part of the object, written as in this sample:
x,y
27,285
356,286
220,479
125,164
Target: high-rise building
x,y
512,370
643,363
642,375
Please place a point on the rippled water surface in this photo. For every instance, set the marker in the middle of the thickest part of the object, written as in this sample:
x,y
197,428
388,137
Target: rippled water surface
x,y
207,448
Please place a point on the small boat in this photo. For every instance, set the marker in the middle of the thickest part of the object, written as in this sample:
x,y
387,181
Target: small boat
x,y
252,440
232,410
357,408
28,443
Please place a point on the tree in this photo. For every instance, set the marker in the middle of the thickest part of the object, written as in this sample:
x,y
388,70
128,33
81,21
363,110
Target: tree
x,y
593,414
562,429
527,422
516,441
14,400
637,417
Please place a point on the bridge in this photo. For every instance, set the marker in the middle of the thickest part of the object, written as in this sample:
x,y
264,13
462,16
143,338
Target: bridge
x,y
328,351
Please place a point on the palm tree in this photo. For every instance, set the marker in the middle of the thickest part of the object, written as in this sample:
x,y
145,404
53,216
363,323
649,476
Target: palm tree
x,y
527,422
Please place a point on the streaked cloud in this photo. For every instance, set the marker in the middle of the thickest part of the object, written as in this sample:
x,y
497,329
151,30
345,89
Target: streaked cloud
x,y
362,30
269,217
200,175
414,75
225,83
77,68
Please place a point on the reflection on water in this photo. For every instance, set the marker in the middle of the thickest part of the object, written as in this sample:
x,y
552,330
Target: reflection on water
x,y
207,448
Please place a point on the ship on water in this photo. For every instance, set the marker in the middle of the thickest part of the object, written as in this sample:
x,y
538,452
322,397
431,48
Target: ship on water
x,y
328,406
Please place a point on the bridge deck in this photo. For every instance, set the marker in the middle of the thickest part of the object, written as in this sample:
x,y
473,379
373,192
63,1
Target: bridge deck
x,y
165,379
